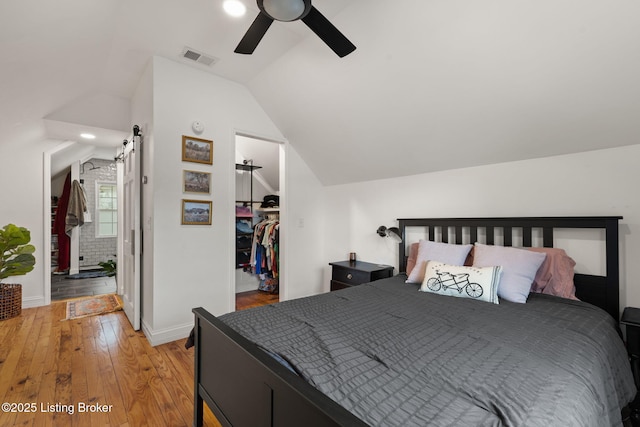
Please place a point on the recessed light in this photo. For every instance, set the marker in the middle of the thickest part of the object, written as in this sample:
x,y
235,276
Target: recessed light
x,y
88,136
234,8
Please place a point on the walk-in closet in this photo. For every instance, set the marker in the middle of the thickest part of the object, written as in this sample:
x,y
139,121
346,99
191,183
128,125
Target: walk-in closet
x,y
257,243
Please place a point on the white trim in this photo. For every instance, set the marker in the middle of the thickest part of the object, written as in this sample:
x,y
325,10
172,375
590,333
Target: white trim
x,y
284,224
31,302
74,242
46,215
166,335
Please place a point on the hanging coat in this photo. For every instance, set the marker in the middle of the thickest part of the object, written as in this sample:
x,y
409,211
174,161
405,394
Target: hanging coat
x,y
77,207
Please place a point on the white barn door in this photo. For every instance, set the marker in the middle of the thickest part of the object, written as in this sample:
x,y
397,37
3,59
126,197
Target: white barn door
x,y
129,262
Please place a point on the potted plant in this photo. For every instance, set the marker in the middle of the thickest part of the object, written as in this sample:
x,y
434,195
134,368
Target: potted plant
x,y
109,267
16,259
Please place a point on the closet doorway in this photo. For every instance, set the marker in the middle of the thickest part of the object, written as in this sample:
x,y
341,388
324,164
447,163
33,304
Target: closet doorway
x,y
259,172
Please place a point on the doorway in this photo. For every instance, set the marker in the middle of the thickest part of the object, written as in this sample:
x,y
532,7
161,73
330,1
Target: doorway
x,y
95,241
259,172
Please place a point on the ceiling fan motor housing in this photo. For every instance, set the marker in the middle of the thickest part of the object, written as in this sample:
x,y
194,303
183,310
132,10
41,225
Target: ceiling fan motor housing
x,y
285,10
293,10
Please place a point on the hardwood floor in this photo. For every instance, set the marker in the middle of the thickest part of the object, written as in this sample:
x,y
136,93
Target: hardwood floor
x,y
251,299
95,371
57,369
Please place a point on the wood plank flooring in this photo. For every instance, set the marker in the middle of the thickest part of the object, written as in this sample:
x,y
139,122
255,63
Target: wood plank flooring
x,y
95,371
63,288
251,299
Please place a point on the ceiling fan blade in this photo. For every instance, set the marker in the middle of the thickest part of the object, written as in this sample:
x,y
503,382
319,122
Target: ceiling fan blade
x,y
254,34
328,33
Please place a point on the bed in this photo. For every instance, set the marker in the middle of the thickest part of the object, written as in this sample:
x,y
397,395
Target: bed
x,y
384,353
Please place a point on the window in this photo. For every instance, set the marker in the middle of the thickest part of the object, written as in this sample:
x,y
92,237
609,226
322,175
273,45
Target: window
x,y
107,211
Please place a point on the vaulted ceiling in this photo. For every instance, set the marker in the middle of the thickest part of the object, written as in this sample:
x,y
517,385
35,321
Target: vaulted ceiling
x,y
432,85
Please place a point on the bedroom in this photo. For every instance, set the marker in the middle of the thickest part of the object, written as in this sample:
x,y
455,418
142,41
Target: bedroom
x,y
343,189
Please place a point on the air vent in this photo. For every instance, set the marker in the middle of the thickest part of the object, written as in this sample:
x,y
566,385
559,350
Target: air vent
x,y
199,57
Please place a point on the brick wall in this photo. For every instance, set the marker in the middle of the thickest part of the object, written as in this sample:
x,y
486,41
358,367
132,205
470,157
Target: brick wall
x,y
96,249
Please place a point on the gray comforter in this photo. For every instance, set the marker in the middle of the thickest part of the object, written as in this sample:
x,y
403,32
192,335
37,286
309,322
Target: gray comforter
x,y
394,356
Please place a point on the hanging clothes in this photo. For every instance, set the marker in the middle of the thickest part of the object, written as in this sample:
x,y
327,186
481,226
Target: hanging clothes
x,y
76,208
264,254
59,226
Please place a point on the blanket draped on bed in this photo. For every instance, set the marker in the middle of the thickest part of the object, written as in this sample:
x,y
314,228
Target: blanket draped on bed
x,y
394,356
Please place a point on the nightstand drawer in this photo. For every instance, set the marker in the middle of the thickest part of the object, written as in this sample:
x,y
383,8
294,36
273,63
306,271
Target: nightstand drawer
x,y
633,340
350,276
353,273
631,320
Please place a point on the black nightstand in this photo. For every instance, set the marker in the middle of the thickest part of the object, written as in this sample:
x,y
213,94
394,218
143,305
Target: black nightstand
x,y
631,321
352,273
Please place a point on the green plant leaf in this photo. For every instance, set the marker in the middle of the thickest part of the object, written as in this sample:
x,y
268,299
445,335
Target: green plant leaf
x,y
16,257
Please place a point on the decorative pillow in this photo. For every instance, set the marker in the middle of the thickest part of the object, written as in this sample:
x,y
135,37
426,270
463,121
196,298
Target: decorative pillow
x,y
469,261
519,267
436,251
413,256
555,275
479,283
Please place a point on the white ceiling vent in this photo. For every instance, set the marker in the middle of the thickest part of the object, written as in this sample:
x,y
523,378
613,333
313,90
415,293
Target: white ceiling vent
x,y
198,57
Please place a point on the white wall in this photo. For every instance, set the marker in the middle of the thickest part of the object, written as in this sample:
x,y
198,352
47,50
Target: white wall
x,y
593,183
22,176
193,265
302,256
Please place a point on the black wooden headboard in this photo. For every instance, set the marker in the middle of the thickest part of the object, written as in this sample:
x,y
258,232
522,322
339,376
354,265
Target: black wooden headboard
x,y
602,291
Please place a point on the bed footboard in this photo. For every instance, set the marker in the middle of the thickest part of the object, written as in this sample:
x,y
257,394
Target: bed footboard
x,y
244,386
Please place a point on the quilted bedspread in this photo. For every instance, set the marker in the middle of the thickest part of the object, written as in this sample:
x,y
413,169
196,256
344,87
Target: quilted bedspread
x,y
394,356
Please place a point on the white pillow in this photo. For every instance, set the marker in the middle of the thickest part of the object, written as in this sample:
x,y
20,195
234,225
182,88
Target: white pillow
x,y
519,267
459,281
436,251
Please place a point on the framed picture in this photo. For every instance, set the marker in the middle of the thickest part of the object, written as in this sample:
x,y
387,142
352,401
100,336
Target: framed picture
x,y
196,212
197,150
196,182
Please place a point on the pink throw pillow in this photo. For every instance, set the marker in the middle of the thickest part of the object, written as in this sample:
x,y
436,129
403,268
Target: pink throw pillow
x,y
413,256
555,275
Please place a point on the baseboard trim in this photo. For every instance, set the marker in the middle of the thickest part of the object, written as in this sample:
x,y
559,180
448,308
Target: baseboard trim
x,y
163,336
32,302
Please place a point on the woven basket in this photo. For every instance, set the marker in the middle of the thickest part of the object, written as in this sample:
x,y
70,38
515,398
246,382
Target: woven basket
x,y
10,301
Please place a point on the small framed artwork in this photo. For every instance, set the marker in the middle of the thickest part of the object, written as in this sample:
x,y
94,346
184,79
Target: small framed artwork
x,y
196,182
196,212
197,150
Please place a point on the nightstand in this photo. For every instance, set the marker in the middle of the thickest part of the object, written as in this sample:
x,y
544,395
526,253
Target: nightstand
x,y
352,273
631,321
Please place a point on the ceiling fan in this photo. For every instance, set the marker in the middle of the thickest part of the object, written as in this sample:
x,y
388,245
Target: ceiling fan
x,y
292,10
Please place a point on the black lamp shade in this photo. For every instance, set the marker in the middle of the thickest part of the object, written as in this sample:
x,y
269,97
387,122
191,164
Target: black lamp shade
x,y
393,232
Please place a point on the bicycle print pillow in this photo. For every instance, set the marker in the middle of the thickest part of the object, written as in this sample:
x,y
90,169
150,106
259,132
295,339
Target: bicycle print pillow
x,y
479,283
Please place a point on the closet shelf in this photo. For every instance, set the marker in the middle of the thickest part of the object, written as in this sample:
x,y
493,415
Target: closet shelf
x,y
240,166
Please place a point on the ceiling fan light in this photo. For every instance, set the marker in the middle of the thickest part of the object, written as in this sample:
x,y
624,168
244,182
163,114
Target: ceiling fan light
x,y
284,10
234,8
